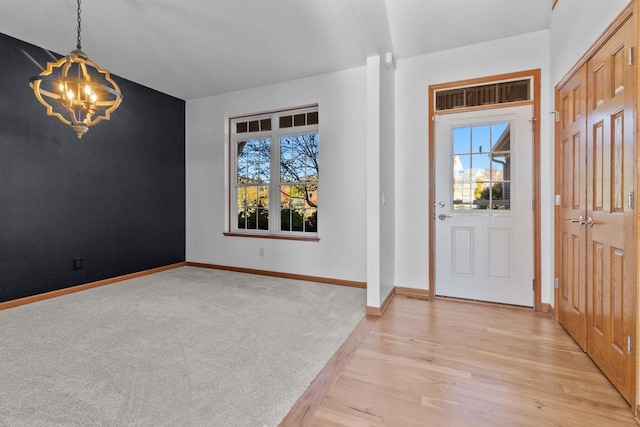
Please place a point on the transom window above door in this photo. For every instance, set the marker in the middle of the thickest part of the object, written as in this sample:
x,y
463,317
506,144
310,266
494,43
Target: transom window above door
x,y
481,162
482,95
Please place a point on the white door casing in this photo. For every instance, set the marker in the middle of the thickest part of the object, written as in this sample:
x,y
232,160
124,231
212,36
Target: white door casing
x,y
484,214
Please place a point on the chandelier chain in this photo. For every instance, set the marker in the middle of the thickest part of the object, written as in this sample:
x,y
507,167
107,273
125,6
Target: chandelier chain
x,y
79,26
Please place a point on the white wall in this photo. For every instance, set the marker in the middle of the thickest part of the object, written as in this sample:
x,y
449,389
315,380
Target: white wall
x,y
380,181
342,96
387,180
341,251
374,298
574,26
413,77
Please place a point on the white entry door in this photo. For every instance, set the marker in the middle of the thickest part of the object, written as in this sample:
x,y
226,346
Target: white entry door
x,y
484,211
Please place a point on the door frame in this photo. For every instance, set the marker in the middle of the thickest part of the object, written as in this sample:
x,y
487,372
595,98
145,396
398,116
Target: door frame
x,y
535,77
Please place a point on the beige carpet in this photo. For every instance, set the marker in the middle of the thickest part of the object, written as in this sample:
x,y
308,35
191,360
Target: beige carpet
x,y
185,347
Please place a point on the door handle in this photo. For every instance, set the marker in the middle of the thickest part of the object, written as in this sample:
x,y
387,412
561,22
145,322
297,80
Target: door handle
x,y
590,222
442,217
579,220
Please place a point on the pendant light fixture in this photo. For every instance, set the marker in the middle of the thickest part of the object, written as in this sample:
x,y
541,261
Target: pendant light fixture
x,y
76,90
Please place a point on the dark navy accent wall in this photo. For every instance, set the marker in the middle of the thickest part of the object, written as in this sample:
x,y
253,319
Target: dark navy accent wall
x,y
115,198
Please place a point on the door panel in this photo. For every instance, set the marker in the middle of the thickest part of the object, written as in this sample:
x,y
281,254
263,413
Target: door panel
x,y
596,220
484,218
572,103
610,242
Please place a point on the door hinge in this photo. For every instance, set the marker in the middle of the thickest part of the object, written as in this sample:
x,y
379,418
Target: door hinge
x,y
533,284
630,56
629,344
556,283
557,200
533,123
556,115
630,200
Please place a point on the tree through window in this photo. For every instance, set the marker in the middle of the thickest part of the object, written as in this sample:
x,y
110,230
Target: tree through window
x,y
275,170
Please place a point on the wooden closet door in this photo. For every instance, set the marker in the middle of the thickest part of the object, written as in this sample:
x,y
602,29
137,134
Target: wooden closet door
x,y
571,102
610,235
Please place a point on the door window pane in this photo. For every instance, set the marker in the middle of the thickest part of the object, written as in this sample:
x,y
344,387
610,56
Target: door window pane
x,y
498,164
500,134
501,196
482,195
462,196
461,140
480,137
481,166
461,166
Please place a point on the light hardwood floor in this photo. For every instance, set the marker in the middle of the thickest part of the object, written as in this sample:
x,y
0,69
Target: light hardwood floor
x,y
451,363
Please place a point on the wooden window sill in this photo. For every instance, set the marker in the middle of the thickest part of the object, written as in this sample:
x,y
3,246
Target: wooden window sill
x,y
273,236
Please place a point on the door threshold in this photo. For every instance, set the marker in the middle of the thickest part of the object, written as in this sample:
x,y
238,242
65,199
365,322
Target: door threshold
x,y
481,302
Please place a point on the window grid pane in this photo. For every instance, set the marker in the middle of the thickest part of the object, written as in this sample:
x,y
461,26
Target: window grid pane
x,y
299,158
253,207
253,161
298,208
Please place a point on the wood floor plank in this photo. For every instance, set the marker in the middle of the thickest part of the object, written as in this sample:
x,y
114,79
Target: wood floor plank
x,y
451,363
311,398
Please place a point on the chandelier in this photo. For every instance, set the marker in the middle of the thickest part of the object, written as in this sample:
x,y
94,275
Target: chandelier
x,y
76,90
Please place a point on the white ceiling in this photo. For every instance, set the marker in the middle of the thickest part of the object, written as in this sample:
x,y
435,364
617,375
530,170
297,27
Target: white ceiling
x,y
195,48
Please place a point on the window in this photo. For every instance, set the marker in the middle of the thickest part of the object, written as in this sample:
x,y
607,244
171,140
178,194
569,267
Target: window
x,y
482,167
275,173
487,94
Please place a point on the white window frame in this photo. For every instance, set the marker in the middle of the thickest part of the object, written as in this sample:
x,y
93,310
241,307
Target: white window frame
x,y
274,135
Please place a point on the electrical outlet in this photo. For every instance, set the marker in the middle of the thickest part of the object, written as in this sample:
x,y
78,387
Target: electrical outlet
x,y
77,263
